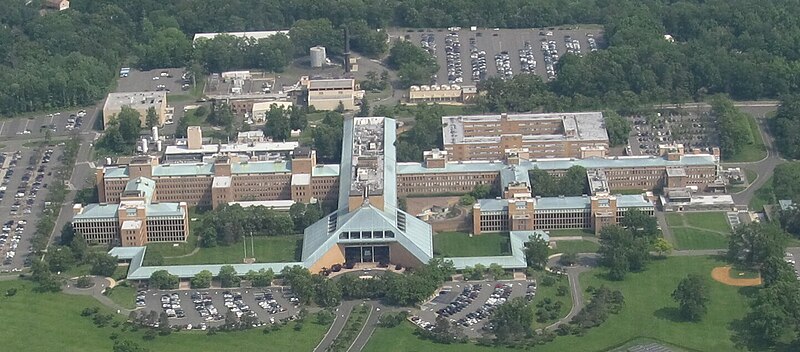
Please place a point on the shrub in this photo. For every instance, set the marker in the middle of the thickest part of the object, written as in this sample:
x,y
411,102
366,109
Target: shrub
x,y
548,281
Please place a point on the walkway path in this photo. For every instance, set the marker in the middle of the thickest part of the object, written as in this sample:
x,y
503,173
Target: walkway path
x,y
96,291
661,218
193,252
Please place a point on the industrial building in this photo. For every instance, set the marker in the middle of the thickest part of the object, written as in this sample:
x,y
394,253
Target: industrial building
x,y
442,94
560,135
326,94
135,221
250,146
139,101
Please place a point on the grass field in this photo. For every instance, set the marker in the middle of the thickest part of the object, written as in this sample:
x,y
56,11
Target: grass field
x,y
459,244
550,292
751,174
762,196
267,250
55,319
570,232
754,151
687,238
123,295
713,221
581,246
171,250
699,230
649,313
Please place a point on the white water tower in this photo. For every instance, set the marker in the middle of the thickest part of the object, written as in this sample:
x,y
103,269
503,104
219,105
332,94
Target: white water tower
x,y
318,56
155,133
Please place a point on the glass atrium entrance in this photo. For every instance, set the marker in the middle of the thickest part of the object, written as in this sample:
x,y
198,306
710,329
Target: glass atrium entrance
x,y
366,254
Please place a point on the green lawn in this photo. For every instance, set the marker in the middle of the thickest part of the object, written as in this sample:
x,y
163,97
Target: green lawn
x,y
751,174
173,249
649,312
762,196
571,232
751,152
581,246
123,295
714,221
628,191
674,219
550,292
120,272
267,250
687,238
459,244
55,318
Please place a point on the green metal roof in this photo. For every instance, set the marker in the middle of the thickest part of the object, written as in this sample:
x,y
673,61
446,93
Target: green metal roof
x,y
325,170
116,172
109,211
552,203
142,185
164,209
514,174
261,167
97,211
138,272
197,169
562,164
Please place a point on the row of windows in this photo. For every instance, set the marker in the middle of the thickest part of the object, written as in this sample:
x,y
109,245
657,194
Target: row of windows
x,y
357,235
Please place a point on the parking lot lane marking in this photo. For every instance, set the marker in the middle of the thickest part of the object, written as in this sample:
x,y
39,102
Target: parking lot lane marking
x,y
1,127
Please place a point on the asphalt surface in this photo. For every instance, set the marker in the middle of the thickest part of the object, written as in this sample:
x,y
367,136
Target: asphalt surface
x,y
340,319
496,41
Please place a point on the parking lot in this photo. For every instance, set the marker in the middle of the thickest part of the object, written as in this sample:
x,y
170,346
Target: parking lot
x,y
692,129
25,176
469,304
57,124
208,307
466,56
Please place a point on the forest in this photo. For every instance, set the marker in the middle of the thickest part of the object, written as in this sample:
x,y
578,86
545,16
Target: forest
x,y
742,48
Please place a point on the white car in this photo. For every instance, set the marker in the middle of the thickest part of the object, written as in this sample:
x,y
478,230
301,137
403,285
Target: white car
x,y
156,78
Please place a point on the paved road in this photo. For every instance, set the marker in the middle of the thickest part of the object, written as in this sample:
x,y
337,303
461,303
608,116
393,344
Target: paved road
x,y
369,327
96,291
764,167
342,313
586,262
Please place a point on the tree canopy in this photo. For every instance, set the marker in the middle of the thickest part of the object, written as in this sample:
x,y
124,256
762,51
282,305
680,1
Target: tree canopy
x,y
692,297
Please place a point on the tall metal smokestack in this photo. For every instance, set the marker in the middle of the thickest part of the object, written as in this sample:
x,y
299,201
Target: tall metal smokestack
x,y
346,50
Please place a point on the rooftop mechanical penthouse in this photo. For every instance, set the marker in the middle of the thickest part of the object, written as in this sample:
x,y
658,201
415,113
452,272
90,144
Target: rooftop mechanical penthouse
x,y
559,135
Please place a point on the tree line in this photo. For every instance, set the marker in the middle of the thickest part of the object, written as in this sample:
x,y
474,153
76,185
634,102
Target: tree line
x,y
406,289
226,224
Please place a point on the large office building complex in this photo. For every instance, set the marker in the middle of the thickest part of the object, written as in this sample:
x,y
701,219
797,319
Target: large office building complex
x,y
559,135
135,220
367,225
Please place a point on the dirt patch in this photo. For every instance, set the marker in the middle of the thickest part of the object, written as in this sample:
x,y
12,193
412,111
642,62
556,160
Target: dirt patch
x,y
417,205
723,275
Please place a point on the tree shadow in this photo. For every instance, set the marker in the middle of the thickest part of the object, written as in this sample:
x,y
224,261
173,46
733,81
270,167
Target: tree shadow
x,y
749,291
672,314
298,250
